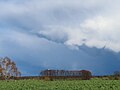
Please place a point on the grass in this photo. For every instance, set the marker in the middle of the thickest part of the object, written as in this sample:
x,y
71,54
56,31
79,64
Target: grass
x,y
60,85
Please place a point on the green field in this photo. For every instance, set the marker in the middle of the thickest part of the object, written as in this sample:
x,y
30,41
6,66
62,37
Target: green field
x,y
60,85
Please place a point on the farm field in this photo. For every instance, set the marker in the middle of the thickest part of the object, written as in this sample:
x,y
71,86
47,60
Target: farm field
x,y
60,85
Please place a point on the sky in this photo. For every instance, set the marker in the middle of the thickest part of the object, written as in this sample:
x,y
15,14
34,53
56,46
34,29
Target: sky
x,y
61,34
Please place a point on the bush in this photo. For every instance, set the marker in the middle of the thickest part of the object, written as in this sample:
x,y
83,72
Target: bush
x,y
47,78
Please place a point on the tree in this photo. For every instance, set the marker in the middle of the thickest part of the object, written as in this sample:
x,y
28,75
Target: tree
x,y
116,73
8,68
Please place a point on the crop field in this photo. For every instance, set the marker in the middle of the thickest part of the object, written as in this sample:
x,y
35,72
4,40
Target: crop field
x,y
60,85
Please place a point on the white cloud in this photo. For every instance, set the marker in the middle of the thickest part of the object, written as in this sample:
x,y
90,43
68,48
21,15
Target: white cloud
x,y
94,23
97,32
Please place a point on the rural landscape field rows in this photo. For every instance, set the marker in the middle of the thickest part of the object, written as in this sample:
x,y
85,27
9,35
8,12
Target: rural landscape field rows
x,y
60,85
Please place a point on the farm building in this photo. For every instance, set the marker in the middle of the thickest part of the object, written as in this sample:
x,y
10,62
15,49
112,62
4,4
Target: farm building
x,y
84,74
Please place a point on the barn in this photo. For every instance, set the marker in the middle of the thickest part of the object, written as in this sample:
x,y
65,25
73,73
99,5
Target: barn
x,y
84,74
